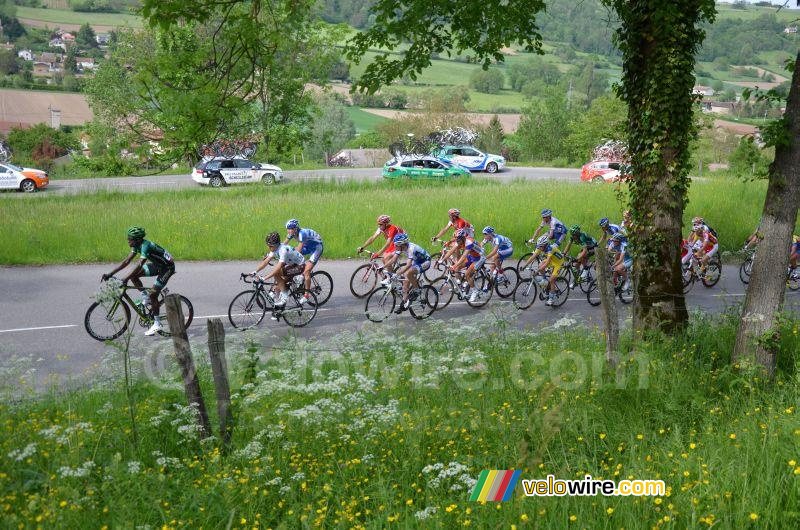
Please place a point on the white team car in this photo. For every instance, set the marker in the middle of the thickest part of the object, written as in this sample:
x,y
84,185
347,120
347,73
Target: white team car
x,y
218,172
22,178
471,158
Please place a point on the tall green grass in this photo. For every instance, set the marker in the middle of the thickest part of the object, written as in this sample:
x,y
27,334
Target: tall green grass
x,y
207,224
387,432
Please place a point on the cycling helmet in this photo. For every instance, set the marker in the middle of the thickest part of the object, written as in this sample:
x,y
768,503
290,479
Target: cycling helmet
x,y
604,222
488,230
547,212
542,241
292,223
136,232
274,239
575,229
698,220
454,211
461,234
384,219
400,239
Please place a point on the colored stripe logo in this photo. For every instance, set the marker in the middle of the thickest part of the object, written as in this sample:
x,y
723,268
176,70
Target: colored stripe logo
x,y
495,485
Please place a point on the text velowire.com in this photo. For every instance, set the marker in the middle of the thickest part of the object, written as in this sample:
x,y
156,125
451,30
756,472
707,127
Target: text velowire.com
x,y
587,486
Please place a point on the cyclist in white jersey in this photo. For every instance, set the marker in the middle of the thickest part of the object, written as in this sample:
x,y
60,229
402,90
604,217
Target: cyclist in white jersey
x,y
290,264
417,261
309,245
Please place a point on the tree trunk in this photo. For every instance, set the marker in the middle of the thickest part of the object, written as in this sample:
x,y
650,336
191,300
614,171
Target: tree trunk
x,y
219,367
608,304
757,336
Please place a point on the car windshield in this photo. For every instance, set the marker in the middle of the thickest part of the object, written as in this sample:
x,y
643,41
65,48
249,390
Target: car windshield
x,y
12,166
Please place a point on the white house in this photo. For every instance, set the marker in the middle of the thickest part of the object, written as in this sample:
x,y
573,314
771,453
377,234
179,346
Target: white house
x,y
790,30
85,63
25,55
700,90
58,43
102,38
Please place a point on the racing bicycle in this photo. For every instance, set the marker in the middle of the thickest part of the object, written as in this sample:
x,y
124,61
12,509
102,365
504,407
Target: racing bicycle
x,y
625,295
693,271
248,308
537,286
366,277
451,284
382,302
575,276
110,315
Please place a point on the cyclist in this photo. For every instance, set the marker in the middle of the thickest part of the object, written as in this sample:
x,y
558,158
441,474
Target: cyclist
x,y
753,239
472,256
609,229
794,255
418,260
389,231
703,242
627,222
554,259
623,260
309,245
588,245
153,261
556,229
290,264
456,223
502,248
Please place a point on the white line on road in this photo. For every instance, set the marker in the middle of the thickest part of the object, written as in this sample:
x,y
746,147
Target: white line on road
x,y
38,329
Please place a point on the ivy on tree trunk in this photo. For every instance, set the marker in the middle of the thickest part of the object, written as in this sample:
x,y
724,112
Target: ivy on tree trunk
x,y
658,41
758,335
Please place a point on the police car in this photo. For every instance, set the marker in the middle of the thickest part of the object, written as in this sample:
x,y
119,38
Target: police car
x,y
22,178
471,158
218,172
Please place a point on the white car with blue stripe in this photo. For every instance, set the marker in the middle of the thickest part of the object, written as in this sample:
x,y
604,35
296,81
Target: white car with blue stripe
x,y
472,159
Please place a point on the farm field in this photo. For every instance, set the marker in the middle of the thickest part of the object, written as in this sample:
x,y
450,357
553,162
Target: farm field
x,y
32,106
212,225
63,18
364,121
391,429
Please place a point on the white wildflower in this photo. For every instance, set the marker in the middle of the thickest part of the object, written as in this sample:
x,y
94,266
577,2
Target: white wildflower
x,y
21,454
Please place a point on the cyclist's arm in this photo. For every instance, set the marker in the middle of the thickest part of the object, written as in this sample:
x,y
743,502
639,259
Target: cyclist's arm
x,y
274,272
546,263
125,263
384,248
536,233
264,262
460,261
369,241
299,247
620,257
492,253
450,252
443,230
405,268
136,270
569,246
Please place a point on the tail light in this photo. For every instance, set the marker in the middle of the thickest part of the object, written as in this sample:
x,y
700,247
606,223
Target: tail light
x,y
392,170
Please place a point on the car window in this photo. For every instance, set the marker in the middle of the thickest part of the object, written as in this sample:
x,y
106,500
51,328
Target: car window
x,y
419,164
200,165
451,151
3,169
214,164
469,152
600,165
432,164
407,163
243,164
614,166
226,164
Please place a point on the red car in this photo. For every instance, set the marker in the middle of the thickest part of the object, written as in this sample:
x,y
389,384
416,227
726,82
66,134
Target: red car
x,y
604,171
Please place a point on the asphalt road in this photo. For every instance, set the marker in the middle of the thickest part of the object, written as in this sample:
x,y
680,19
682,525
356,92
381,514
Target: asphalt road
x,y
174,182
42,311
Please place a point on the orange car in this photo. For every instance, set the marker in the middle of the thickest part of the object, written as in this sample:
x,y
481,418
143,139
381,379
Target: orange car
x,y
22,178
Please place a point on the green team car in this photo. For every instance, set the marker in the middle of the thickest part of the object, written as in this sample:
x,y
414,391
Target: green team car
x,y
422,167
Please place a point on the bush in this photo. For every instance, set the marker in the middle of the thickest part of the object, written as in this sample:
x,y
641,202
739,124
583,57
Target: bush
x,y
40,143
107,165
487,81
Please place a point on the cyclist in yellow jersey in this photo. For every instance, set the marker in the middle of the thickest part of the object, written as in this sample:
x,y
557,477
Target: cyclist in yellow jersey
x,y
554,259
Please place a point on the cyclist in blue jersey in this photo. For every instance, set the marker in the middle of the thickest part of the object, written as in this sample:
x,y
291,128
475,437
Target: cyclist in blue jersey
x,y
309,244
502,248
472,255
609,229
153,261
623,261
555,229
417,261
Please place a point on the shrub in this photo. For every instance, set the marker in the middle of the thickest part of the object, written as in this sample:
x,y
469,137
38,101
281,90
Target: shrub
x,y
487,81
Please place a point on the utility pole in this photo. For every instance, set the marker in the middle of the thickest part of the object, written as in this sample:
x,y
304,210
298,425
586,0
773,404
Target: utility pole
x,y
569,94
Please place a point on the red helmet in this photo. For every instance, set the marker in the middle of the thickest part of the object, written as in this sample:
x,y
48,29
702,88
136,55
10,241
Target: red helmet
x,y
384,219
455,211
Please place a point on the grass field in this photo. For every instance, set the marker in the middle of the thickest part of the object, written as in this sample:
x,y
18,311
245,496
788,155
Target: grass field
x,y
364,121
384,432
58,16
232,223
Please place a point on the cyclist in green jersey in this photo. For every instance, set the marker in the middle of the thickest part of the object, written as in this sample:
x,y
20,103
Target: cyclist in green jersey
x,y
153,261
588,245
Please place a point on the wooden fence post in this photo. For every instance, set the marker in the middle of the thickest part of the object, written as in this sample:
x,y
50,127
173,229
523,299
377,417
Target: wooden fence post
x,y
219,367
610,317
183,353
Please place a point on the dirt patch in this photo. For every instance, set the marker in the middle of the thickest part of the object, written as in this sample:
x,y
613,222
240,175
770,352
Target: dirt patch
x,y
33,106
753,84
736,128
510,122
778,77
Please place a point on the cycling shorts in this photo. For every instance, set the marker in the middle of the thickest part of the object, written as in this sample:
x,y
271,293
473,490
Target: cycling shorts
x,y
796,248
504,253
312,251
290,271
421,266
478,262
556,264
627,263
162,272
389,250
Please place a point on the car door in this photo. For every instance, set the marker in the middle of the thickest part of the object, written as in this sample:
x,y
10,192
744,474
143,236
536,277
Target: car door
x,y
228,171
417,169
8,180
472,158
245,170
434,169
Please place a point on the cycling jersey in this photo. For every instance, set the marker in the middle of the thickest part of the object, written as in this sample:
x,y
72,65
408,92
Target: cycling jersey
x,y
308,237
389,234
585,240
796,245
473,248
287,255
555,255
459,224
415,253
556,226
502,242
154,253
612,229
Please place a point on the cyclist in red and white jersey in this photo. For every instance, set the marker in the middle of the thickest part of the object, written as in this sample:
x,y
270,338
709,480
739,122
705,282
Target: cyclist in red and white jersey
x,y
387,230
703,241
456,223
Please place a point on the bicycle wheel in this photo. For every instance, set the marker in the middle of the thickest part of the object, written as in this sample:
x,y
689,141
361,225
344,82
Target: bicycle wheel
x,y
444,292
397,149
562,292
249,150
524,273
380,304
525,294
363,281
745,269
626,295
485,290
712,275
593,294
425,303
228,151
506,282
436,269
585,283
107,323
247,309
688,279
321,286
298,312
188,315
793,283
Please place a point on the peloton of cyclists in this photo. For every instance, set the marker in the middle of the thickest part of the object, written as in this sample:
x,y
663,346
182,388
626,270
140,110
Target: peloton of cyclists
x,y
309,244
153,261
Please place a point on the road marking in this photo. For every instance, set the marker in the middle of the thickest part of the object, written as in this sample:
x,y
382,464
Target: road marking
x,y
39,328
